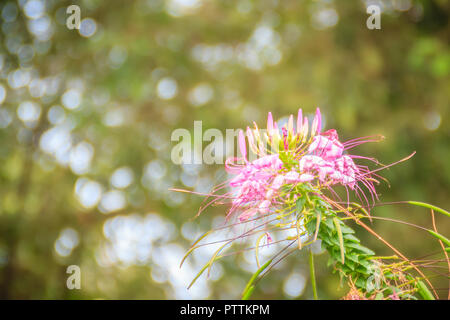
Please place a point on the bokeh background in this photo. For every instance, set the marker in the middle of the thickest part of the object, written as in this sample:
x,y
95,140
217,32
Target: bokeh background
x,y
86,118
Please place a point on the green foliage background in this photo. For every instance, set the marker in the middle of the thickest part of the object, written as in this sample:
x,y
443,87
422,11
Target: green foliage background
x,y
253,57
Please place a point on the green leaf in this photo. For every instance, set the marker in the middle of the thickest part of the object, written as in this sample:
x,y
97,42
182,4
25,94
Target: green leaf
x,y
329,224
344,268
366,264
346,229
351,238
311,226
341,239
350,264
363,270
300,203
352,257
379,296
361,283
424,292
332,241
360,248
335,253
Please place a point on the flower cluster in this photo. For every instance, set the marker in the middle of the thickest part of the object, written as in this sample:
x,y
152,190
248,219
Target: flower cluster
x,y
290,156
290,189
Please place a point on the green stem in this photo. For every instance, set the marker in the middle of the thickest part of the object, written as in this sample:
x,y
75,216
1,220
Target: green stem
x,y
312,274
248,293
440,237
429,206
250,286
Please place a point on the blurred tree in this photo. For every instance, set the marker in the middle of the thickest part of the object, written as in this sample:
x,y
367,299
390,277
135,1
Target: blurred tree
x,y
86,118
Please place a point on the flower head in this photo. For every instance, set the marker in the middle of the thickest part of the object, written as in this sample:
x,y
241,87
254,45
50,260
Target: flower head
x,y
290,189
290,156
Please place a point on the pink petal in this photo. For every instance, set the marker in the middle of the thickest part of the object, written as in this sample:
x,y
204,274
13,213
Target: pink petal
x,y
318,120
292,176
275,128
242,145
306,177
290,126
269,123
278,182
299,121
251,141
305,127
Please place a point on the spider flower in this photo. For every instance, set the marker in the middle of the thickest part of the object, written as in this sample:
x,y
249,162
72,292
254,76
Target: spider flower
x,y
290,187
293,155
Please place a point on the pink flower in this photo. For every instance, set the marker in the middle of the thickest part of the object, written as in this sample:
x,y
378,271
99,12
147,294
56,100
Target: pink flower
x,y
326,145
256,184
